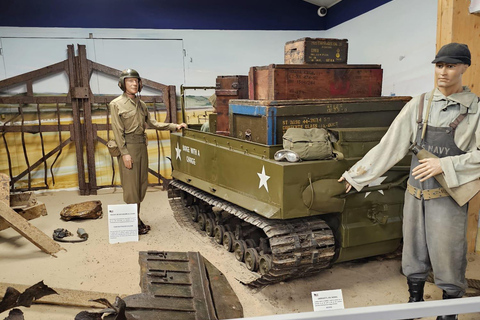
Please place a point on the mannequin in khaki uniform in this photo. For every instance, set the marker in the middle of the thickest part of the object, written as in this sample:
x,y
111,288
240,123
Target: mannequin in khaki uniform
x,y
434,225
129,119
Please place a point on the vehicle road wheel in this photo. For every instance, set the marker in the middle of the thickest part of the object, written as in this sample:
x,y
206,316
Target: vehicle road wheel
x,y
250,243
187,198
251,259
264,263
239,248
202,218
194,210
210,227
228,241
218,234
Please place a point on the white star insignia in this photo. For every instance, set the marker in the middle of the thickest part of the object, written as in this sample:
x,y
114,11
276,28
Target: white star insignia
x,y
178,150
376,182
263,179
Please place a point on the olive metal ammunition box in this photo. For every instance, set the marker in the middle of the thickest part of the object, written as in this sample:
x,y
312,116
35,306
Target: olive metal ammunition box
x,y
265,121
316,51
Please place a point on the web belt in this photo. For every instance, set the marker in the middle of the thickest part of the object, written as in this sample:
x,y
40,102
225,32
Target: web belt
x,y
427,194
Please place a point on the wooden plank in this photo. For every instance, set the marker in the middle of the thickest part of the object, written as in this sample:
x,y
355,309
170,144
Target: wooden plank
x,y
32,99
33,75
472,228
28,213
89,133
5,189
31,233
67,297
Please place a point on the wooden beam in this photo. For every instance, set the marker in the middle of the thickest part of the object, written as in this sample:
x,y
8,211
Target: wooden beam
x,y
31,233
33,75
28,213
472,228
67,297
5,189
456,24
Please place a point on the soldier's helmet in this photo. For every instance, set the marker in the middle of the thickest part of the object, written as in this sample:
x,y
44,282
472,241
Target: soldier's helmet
x,y
129,73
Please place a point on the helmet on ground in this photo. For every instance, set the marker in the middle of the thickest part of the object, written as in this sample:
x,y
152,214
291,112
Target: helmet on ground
x,y
129,73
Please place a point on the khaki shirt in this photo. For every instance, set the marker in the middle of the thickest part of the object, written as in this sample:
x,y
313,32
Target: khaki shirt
x,y
130,116
457,170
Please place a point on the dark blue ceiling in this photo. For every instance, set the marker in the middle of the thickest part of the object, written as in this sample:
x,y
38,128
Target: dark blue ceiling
x,y
180,14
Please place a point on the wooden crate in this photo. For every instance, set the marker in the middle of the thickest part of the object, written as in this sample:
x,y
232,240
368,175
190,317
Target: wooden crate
x,y
265,121
316,50
228,87
291,82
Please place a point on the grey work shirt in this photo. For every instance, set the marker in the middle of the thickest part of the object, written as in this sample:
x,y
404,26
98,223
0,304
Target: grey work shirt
x,y
130,116
457,170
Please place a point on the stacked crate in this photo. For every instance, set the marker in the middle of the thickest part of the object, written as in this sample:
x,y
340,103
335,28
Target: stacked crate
x,y
315,88
227,88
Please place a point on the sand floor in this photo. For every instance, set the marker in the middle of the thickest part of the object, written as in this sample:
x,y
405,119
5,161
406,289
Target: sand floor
x,y
96,265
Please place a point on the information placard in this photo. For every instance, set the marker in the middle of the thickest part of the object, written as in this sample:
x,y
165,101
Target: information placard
x,y
122,223
327,300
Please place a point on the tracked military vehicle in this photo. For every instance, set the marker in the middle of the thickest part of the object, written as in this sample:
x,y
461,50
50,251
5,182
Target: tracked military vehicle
x,y
283,219
291,219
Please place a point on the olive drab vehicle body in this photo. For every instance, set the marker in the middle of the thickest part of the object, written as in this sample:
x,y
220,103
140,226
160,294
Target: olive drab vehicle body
x,y
304,219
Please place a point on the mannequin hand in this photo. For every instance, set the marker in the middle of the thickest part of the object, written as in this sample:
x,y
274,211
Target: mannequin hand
x,y
427,168
181,125
348,186
127,161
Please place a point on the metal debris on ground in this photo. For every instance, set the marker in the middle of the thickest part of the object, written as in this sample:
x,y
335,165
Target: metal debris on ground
x,y
13,298
175,285
83,210
60,234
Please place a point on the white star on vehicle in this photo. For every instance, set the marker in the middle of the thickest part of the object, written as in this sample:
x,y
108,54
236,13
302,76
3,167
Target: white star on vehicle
x,y
376,182
178,150
263,179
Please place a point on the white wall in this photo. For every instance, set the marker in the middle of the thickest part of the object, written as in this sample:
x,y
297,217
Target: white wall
x,y
189,57
399,35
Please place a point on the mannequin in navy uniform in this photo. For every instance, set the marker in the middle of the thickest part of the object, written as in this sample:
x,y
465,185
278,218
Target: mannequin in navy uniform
x,y
129,119
434,227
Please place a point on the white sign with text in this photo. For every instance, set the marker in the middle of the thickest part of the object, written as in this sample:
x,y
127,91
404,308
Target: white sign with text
x,y
122,223
327,300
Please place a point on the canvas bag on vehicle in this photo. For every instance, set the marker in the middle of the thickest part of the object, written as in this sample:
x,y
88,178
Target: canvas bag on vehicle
x,y
309,144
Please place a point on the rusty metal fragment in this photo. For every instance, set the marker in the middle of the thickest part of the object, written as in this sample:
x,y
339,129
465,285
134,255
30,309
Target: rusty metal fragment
x,y
13,298
15,314
175,285
83,210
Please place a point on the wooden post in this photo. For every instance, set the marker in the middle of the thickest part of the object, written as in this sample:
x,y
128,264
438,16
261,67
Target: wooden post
x,y
472,228
456,24
77,132
5,189
84,95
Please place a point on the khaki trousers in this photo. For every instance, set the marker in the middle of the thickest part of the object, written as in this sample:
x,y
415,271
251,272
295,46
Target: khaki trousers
x,y
134,181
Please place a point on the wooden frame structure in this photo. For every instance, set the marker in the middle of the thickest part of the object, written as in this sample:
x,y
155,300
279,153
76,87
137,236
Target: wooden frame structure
x,y
456,24
83,132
